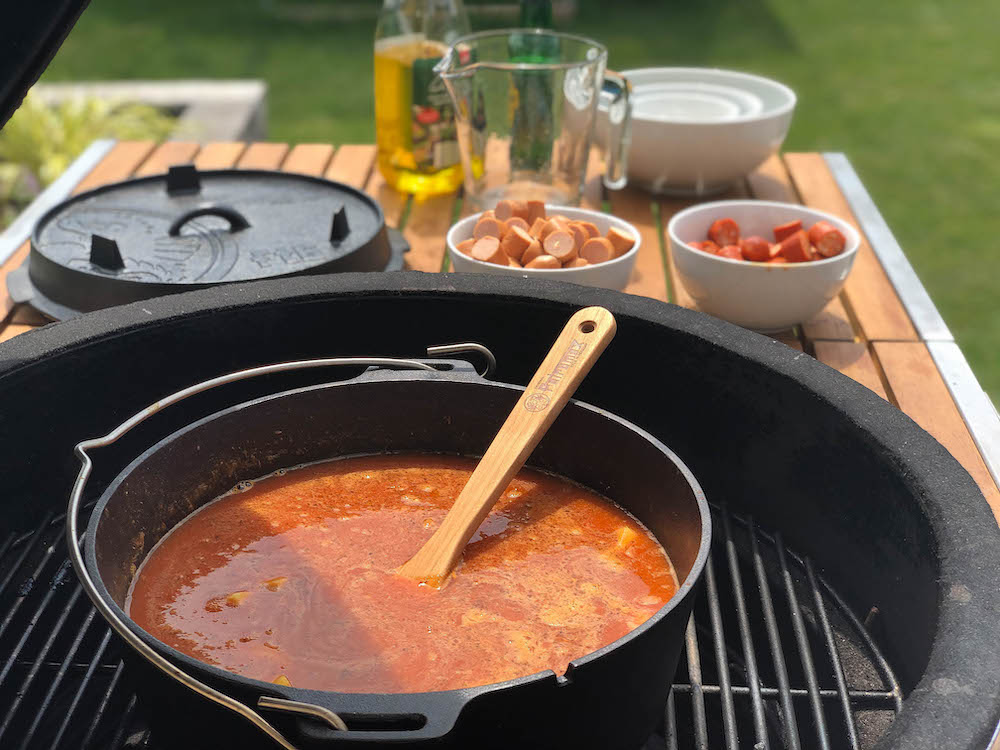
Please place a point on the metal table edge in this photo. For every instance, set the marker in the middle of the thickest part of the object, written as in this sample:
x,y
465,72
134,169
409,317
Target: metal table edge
x,y
975,406
20,230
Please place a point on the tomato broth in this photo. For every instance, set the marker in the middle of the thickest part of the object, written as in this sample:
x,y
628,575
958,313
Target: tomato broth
x,y
291,579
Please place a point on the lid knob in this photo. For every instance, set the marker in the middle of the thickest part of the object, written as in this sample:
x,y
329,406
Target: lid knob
x,y
105,254
339,228
182,179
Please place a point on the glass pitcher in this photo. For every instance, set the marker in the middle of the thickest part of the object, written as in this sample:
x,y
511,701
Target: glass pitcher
x,y
525,105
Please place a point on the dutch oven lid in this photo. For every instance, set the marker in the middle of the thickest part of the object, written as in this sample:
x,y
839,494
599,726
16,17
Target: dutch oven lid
x,y
189,229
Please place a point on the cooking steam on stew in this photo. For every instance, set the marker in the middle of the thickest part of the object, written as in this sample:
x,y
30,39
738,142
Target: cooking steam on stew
x,y
292,580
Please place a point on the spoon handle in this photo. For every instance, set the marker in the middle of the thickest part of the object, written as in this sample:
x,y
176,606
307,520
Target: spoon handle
x,y
574,352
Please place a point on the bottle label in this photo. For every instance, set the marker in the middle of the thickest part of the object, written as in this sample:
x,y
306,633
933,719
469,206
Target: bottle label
x,y
434,137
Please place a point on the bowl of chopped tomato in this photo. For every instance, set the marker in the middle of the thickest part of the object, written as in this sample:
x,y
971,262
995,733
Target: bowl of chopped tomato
x,y
763,265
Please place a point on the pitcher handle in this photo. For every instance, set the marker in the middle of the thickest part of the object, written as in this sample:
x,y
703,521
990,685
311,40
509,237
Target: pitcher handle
x,y
617,91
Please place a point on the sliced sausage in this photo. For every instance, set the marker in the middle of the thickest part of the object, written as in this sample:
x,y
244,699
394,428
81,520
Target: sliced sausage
x,y
515,242
620,241
580,234
724,232
591,228
560,245
755,248
544,261
535,210
537,226
597,250
730,251
827,239
488,249
552,225
795,247
488,227
786,230
516,221
577,263
504,210
533,251
465,246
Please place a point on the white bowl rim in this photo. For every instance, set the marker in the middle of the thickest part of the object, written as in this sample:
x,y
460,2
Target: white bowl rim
x,y
633,251
854,237
766,114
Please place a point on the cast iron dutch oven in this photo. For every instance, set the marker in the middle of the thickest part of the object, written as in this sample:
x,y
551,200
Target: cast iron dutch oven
x,y
380,411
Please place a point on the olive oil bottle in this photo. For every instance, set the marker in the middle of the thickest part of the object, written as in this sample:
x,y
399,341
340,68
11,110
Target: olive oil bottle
x,y
414,120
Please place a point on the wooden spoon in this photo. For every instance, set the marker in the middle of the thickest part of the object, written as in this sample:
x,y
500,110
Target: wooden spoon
x,y
581,342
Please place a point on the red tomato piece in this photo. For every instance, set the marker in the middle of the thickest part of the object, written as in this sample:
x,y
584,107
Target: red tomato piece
x,y
428,116
724,232
731,251
755,248
787,230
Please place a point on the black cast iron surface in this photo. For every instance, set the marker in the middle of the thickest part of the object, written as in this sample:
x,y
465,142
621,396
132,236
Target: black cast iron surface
x,y
883,512
188,229
449,412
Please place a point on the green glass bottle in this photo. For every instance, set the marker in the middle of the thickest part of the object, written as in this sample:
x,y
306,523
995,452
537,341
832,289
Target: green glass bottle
x,y
536,14
531,136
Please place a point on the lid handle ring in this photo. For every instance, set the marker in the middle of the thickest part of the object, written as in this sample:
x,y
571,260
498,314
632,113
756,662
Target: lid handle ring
x,y
237,221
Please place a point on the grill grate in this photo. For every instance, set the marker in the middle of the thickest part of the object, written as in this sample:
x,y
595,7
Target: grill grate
x,y
774,659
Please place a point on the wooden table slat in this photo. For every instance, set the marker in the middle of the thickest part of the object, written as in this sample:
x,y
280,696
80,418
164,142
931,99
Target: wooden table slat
x,y
352,165
15,329
771,182
636,207
263,156
868,291
120,164
308,158
788,338
922,394
833,323
219,155
429,221
853,359
167,155
392,201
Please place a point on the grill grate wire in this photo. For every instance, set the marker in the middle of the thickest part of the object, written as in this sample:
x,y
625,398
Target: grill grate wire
x,y
774,659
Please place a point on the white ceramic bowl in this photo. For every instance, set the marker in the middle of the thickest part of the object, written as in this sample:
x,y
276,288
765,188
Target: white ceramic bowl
x,y
697,130
761,296
612,274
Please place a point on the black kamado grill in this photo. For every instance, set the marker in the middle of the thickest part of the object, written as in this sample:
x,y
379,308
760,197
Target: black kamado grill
x,y
850,601
189,229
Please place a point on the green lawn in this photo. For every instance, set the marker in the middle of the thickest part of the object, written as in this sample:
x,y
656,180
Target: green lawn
x,y
909,89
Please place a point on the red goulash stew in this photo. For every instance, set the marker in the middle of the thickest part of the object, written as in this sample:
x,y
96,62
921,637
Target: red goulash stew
x,y
291,580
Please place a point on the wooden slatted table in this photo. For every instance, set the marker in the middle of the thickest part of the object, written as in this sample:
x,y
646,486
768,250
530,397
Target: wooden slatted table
x,y
882,330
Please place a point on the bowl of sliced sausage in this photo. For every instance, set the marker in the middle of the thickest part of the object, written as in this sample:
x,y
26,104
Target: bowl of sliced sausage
x,y
530,238
760,264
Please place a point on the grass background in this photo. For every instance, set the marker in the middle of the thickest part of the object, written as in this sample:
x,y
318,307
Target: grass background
x,y
909,89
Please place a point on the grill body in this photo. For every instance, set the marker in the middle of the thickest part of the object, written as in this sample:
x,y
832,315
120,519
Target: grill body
x,y
882,513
